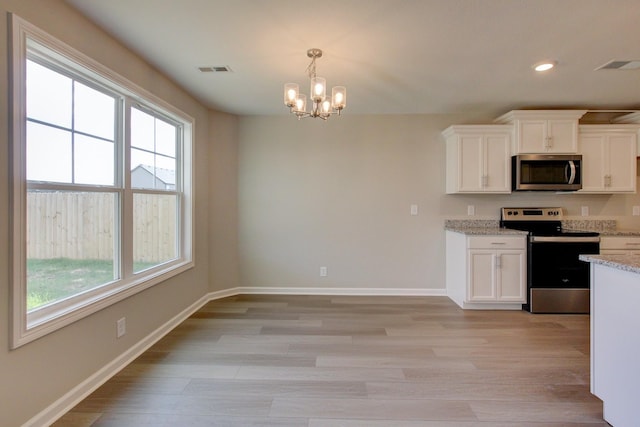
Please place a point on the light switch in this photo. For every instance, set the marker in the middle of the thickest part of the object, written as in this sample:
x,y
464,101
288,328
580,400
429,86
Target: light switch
x,y
471,210
414,210
585,211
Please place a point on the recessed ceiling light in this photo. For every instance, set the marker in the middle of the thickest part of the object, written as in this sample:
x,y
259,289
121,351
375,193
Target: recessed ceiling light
x,y
544,66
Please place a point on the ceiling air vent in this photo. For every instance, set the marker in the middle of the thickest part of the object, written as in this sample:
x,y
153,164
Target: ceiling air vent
x,y
621,65
219,69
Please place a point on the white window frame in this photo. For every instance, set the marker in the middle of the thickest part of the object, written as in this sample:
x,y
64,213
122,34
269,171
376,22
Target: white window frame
x,y
28,326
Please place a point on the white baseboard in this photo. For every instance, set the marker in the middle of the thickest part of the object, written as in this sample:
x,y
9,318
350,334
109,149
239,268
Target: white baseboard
x,y
341,291
65,403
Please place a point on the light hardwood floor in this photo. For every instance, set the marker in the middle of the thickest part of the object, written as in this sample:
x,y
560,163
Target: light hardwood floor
x,y
321,361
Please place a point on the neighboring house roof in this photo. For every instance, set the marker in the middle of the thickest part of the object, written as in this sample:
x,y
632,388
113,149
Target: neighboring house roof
x,y
167,176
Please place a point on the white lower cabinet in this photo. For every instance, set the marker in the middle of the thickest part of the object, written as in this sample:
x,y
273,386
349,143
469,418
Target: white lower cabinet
x,y
619,245
486,272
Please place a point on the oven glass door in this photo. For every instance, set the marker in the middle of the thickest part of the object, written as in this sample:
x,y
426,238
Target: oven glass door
x,y
556,264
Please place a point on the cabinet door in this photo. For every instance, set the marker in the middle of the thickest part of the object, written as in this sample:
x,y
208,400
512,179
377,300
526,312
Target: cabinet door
x,y
608,162
562,136
511,268
470,163
482,276
497,163
531,136
547,136
622,163
593,163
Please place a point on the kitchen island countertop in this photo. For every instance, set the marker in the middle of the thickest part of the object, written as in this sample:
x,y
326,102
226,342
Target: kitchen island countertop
x,y
627,262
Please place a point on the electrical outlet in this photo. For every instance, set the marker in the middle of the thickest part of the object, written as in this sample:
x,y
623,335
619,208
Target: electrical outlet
x,y
323,271
471,210
121,327
585,211
414,210
636,211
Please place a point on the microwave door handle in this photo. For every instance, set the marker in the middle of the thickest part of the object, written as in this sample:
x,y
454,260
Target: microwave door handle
x,y
571,166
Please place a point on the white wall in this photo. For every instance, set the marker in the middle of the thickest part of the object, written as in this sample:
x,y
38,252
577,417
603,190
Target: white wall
x,y
35,375
338,194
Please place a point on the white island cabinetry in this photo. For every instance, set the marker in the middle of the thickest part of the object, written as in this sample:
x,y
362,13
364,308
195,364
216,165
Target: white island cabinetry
x,y
486,272
478,159
615,342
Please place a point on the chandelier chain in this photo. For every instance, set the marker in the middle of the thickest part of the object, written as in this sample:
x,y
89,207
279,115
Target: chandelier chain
x,y
311,69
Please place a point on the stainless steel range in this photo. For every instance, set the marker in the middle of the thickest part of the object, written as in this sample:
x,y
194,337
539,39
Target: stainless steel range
x,y
557,281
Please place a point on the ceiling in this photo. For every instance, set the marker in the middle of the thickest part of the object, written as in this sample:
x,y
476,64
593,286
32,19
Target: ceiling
x,y
394,56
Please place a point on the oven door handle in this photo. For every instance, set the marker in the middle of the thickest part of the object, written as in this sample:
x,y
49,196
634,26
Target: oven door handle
x,y
563,239
571,166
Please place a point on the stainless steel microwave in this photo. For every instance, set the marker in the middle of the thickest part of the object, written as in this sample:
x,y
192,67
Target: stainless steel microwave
x,y
546,172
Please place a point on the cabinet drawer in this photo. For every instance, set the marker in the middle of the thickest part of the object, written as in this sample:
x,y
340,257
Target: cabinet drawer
x,y
496,242
627,243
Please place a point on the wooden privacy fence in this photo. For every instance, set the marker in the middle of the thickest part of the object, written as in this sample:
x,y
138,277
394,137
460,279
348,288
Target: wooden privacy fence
x,y
82,225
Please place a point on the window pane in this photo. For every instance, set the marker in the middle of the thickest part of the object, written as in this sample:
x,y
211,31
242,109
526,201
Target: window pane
x,y
154,222
165,138
165,173
142,130
142,172
70,244
48,154
152,171
48,95
94,161
94,112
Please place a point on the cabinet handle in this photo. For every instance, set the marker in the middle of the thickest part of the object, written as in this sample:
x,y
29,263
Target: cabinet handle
x,y
549,143
632,244
498,243
498,261
485,180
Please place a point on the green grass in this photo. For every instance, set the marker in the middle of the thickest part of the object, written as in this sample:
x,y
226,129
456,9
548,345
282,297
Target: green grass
x,y
50,280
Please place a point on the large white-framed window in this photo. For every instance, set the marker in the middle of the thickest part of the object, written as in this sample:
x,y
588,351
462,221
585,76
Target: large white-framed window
x,y
101,186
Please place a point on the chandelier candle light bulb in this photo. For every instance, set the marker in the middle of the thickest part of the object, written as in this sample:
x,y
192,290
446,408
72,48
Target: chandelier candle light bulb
x,y
290,94
320,105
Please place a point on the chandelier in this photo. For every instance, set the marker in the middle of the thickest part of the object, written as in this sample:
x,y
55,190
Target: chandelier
x,y
321,106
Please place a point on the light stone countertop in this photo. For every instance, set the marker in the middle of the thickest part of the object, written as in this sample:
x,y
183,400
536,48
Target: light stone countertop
x,y
480,228
490,227
629,262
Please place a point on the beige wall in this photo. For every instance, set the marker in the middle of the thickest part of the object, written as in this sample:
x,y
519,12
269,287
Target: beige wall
x,y
223,202
35,375
338,194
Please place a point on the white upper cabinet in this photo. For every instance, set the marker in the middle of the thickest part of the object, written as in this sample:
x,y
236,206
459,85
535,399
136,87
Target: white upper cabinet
x,y
608,158
544,131
478,159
